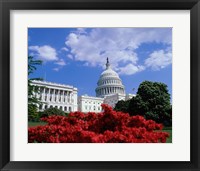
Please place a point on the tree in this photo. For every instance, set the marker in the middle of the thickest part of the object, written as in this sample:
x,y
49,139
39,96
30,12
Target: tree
x,y
122,106
152,101
33,102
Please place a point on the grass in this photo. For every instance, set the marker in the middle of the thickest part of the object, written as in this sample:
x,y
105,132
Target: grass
x,y
169,140
30,124
169,130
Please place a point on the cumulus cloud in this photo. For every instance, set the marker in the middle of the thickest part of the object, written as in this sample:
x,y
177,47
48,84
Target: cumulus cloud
x,y
45,53
130,69
159,59
119,44
64,49
60,62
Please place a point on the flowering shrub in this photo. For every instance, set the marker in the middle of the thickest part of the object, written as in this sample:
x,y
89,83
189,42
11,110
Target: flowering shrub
x,y
106,127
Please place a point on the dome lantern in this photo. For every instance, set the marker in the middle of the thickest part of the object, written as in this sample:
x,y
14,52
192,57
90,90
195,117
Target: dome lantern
x,y
107,64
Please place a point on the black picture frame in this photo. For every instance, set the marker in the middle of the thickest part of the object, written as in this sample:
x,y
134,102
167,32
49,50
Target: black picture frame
x,y
7,5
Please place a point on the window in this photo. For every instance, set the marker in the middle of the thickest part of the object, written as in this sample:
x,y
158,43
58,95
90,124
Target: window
x,y
40,107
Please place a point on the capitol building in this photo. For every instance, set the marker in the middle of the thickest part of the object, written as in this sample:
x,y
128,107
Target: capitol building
x,y
109,90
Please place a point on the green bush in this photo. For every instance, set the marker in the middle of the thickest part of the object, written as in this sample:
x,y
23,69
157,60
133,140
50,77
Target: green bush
x,y
53,111
122,106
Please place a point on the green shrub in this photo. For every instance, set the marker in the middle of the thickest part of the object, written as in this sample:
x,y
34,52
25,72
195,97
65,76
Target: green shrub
x,y
52,111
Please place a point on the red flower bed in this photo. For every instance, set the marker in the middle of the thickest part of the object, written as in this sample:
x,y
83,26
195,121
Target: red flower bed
x,y
106,127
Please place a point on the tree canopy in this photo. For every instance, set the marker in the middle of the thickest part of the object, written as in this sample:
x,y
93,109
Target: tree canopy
x,y
33,102
151,101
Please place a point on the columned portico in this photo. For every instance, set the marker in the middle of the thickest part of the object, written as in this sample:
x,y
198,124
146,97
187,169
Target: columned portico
x,y
61,96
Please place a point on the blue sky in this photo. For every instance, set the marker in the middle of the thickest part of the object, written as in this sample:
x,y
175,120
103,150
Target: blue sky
x,y
77,56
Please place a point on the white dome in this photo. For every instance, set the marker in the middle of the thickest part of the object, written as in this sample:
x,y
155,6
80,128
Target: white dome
x,y
109,73
109,83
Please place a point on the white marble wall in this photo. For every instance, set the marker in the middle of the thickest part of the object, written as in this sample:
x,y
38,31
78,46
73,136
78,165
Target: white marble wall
x,y
54,95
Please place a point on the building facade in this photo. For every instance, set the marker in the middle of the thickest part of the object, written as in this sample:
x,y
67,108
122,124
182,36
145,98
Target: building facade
x,y
89,104
61,96
112,99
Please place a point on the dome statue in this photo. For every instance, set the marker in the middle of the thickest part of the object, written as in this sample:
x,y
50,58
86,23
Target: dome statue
x,y
109,83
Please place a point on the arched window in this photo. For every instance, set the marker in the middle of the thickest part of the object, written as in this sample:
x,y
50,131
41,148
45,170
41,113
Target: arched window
x,y
61,108
70,109
65,108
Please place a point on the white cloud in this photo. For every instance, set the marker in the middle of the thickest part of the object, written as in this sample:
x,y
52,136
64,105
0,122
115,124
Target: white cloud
x,y
159,59
81,31
65,49
56,69
70,56
119,44
60,62
45,53
130,69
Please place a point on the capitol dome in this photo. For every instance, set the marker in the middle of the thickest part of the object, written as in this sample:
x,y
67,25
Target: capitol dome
x,y
109,83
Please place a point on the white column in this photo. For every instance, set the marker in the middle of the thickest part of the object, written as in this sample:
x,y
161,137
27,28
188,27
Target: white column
x,y
69,97
48,94
43,94
53,95
62,96
65,100
58,96
39,93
